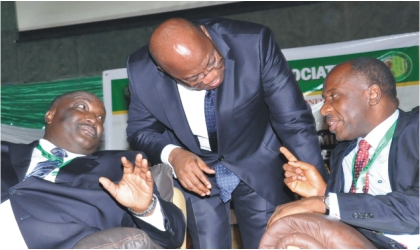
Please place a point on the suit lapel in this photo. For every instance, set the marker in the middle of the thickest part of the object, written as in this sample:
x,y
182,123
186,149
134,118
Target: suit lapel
x,y
225,93
224,106
403,118
169,97
76,167
20,158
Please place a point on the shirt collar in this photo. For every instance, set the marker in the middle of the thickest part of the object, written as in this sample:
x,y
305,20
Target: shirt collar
x,y
375,136
48,146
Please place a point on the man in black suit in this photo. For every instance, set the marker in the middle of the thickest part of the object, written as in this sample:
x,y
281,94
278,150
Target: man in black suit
x,y
216,99
56,196
374,180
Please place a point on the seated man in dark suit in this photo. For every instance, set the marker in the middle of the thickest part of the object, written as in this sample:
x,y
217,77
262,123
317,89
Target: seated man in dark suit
x,y
59,189
374,180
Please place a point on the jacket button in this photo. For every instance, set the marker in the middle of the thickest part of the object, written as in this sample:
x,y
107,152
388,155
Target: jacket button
x,y
221,158
370,215
355,215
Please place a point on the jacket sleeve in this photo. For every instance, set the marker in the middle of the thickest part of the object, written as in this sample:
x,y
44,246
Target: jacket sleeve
x,y
291,116
144,132
174,224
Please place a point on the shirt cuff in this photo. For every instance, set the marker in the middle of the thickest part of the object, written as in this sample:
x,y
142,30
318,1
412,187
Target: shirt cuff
x,y
334,208
156,219
164,156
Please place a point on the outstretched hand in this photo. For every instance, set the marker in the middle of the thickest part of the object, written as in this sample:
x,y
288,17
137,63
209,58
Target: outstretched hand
x,y
135,190
301,177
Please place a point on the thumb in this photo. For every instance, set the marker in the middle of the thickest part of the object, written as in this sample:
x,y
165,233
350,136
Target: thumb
x,y
108,185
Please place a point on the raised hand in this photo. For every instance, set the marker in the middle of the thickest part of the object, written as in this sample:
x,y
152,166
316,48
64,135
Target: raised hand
x,y
135,190
301,177
189,170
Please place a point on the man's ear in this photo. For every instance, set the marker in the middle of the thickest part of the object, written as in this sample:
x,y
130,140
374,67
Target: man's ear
x,y
49,116
375,94
205,31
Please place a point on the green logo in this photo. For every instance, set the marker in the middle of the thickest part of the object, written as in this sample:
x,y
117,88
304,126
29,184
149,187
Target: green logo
x,y
399,63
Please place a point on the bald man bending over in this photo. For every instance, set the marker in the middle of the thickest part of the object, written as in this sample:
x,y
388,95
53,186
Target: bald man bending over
x,y
216,99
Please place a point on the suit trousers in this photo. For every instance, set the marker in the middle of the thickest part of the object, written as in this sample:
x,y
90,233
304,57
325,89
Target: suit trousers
x,y
208,218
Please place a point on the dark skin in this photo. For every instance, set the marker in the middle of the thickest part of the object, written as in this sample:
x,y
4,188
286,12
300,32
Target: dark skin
x,y
352,108
75,123
187,53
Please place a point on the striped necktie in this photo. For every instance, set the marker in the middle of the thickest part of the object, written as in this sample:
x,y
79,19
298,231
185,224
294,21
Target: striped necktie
x,y
42,169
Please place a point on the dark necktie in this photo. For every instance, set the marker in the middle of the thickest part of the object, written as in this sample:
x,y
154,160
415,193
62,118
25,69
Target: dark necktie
x,y
225,179
42,169
362,158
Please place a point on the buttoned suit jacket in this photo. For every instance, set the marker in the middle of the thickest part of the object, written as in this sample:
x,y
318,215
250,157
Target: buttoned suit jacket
x,y
58,215
396,212
259,107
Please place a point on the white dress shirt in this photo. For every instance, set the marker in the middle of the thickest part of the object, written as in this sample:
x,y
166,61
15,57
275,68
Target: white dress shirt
x,y
379,183
193,104
11,235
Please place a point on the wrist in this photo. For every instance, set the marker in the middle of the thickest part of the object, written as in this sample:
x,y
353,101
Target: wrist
x,y
149,209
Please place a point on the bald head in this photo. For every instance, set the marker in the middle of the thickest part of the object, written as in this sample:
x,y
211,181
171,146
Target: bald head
x,y
176,41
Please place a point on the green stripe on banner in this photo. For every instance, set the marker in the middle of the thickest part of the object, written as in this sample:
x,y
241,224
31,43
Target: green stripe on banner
x,y
119,99
403,62
25,105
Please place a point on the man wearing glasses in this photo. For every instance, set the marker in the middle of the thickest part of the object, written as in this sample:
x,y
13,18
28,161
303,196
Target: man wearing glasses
x,y
216,99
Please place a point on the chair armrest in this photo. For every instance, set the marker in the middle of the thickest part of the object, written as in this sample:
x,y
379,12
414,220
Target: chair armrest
x,y
179,201
312,230
118,238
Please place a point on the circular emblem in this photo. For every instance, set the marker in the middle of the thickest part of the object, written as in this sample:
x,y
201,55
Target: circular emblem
x,y
399,63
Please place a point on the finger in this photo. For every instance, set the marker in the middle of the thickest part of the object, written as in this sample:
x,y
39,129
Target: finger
x,y
108,185
287,154
128,167
191,187
302,165
291,169
202,177
195,185
149,179
138,167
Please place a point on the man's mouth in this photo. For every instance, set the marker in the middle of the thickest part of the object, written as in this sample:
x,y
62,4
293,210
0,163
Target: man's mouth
x,y
332,123
89,130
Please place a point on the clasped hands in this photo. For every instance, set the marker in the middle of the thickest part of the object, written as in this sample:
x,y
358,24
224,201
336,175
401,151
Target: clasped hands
x,y
305,180
135,190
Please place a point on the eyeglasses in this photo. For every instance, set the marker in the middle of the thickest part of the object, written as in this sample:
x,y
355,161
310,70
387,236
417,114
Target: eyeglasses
x,y
198,79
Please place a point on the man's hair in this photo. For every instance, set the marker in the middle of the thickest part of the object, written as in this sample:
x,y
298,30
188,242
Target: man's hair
x,y
377,73
69,94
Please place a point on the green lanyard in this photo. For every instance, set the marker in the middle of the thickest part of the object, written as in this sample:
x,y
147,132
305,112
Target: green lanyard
x,y
362,176
52,157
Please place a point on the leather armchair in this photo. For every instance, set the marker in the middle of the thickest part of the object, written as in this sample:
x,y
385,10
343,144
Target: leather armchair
x,y
133,238
312,230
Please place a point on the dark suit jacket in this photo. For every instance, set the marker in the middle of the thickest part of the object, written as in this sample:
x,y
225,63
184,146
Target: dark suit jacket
x,y
396,212
259,107
58,215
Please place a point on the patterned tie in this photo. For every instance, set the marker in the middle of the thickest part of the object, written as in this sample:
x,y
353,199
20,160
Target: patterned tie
x,y
362,159
225,179
42,169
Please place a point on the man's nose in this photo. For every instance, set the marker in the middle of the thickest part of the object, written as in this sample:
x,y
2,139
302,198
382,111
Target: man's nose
x,y
325,109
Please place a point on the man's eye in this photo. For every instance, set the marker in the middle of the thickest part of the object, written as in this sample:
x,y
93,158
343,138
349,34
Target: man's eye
x,y
82,106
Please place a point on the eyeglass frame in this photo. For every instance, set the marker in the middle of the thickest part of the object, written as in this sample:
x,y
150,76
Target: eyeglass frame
x,y
215,66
